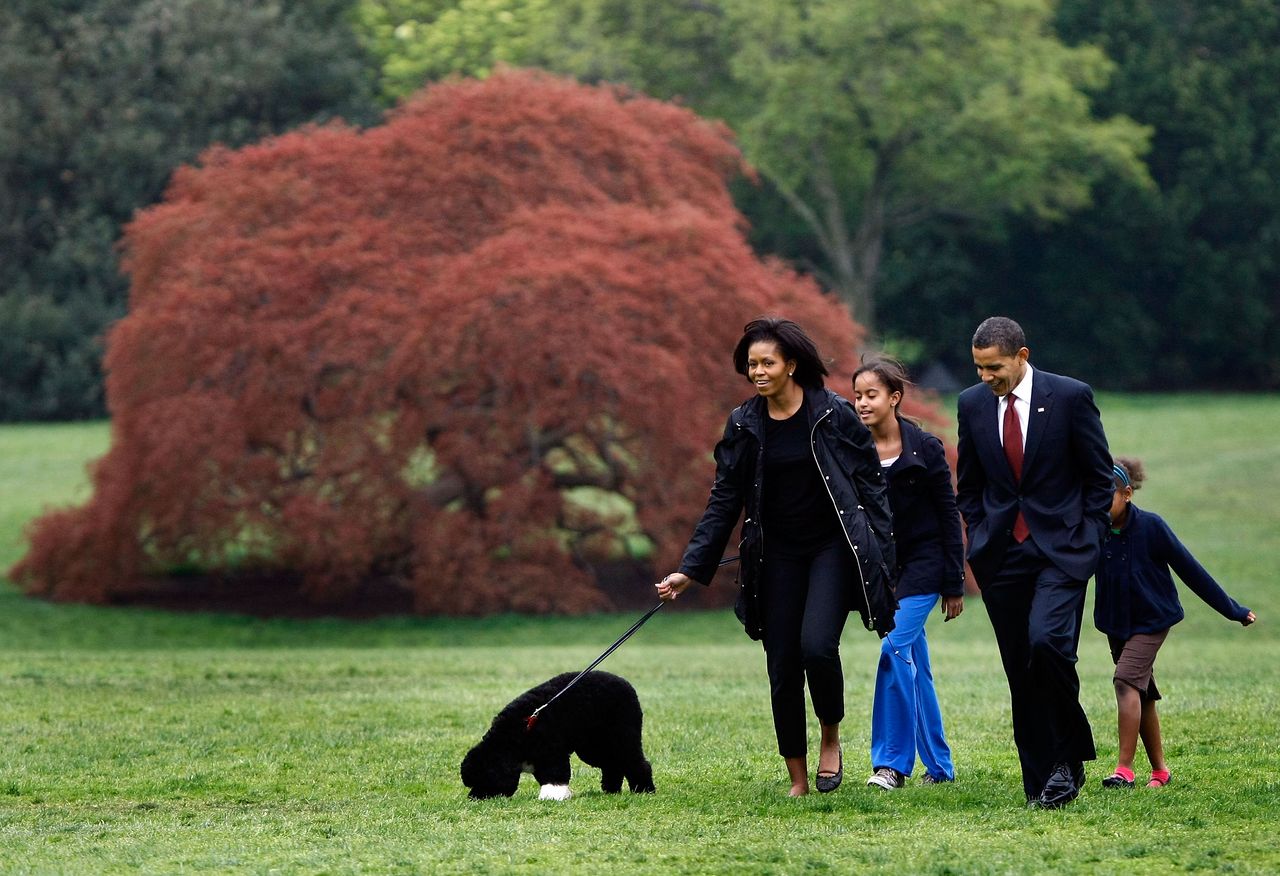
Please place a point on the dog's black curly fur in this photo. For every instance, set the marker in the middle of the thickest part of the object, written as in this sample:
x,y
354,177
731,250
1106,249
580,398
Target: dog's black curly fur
x,y
599,719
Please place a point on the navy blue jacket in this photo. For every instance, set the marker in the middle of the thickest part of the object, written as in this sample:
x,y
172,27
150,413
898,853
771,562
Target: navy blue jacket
x,y
926,525
846,458
1135,592
1065,491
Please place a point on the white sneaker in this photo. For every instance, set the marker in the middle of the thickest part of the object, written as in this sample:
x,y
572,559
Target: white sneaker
x,y
887,778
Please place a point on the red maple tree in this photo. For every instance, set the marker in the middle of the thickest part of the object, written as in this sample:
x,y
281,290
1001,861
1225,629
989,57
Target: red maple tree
x,y
476,352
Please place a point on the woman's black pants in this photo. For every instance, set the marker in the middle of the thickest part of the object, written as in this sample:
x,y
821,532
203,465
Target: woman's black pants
x,y
805,602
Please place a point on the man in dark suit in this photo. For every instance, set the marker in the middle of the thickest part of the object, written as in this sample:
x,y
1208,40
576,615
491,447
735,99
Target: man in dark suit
x,y
1034,488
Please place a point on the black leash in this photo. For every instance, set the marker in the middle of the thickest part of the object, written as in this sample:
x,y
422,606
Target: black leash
x,y
533,719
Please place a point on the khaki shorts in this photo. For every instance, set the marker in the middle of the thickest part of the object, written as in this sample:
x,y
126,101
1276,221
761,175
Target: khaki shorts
x,y
1135,660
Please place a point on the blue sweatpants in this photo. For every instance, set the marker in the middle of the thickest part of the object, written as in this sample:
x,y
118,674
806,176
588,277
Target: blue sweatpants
x,y
905,717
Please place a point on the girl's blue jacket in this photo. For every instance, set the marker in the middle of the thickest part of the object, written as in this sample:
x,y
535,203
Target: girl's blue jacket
x,y
1135,590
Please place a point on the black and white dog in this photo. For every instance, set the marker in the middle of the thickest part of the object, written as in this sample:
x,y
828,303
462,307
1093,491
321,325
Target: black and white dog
x,y
598,718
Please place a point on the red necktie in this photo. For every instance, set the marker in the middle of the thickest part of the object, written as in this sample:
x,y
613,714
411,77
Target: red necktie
x,y
1013,453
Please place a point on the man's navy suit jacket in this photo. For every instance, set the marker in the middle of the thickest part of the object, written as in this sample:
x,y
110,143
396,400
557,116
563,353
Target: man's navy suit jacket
x,y
1066,485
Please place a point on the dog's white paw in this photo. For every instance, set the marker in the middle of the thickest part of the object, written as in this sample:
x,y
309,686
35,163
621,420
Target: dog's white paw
x,y
555,792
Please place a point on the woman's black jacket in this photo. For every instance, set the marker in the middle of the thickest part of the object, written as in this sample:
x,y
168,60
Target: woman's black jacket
x,y
926,525
850,467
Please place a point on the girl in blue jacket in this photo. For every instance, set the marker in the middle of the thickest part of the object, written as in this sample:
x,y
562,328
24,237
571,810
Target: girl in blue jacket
x,y
1135,605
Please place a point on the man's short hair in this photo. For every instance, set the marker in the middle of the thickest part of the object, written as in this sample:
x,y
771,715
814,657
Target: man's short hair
x,y
1000,332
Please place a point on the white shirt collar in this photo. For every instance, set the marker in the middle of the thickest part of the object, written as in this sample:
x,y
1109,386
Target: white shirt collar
x,y
1023,389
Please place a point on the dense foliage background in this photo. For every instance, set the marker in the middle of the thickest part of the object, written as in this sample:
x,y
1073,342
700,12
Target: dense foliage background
x,y
1165,287
1103,170
475,354
99,101
863,118
1159,274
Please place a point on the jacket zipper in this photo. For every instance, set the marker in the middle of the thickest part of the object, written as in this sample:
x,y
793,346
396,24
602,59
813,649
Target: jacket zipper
x,y
857,560
759,471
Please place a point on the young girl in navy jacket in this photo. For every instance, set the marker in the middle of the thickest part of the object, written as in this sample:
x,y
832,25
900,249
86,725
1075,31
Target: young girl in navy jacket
x,y
1135,604
905,715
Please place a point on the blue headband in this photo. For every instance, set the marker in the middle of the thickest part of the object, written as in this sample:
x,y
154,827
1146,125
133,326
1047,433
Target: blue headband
x,y
1121,473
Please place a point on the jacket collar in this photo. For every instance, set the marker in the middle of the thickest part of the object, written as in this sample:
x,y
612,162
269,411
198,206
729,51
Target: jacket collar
x,y
752,413
912,441
819,403
1129,520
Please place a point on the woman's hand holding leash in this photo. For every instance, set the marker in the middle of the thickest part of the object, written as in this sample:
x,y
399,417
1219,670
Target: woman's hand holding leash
x,y
673,585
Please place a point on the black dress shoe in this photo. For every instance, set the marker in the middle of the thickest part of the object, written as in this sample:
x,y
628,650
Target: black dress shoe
x,y
827,784
1062,786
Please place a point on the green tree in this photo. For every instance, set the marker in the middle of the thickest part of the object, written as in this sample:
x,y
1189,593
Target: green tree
x,y
420,41
875,116
99,101
1186,274
671,48
866,116
1170,286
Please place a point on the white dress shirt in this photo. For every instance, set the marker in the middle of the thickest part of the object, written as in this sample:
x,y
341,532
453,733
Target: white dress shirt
x,y
1022,406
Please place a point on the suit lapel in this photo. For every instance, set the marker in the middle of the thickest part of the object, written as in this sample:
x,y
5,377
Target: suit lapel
x,y
1041,406
987,437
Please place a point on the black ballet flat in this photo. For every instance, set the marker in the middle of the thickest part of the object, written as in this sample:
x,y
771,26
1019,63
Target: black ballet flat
x,y
827,784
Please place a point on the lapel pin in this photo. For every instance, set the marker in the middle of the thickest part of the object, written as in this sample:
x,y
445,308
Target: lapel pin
x,y
1039,410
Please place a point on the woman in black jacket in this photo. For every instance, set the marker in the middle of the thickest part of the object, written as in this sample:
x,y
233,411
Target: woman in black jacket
x,y
905,716
817,540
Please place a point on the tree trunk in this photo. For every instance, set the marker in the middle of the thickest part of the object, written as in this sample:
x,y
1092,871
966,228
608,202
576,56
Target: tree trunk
x,y
856,267
854,259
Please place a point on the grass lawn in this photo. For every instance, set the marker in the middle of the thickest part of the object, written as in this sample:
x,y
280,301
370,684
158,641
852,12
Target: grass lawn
x,y
136,741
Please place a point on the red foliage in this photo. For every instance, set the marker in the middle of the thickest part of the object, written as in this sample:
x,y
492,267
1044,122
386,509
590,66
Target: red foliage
x,y
404,353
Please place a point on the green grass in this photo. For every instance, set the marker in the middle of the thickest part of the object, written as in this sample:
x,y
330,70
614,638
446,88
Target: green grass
x,y
138,741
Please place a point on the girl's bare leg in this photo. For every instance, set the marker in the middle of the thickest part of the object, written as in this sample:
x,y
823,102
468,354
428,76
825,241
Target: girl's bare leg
x,y
1151,741
1129,714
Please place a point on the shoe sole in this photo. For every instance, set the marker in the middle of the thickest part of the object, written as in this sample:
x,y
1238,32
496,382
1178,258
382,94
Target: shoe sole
x,y
1056,804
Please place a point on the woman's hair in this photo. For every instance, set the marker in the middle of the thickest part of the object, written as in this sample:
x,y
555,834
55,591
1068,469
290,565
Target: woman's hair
x,y
889,371
1132,468
793,344
1002,333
